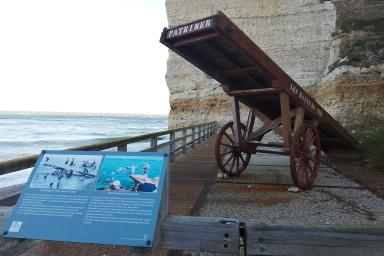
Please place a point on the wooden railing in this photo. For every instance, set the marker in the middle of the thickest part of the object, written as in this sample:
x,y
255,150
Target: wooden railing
x,y
180,140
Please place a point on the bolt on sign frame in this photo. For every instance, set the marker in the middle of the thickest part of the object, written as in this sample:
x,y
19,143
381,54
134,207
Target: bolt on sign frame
x,y
219,48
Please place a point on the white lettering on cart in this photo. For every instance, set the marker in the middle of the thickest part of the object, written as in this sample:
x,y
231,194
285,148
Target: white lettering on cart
x,y
306,100
190,28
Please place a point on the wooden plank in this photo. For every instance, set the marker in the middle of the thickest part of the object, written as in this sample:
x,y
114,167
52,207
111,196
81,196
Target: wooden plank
x,y
9,195
249,126
236,121
271,152
260,132
311,241
254,92
219,235
267,145
286,120
215,235
269,124
299,118
17,246
12,246
240,71
197,39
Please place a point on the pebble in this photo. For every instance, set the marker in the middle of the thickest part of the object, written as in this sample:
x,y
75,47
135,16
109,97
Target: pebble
x,y
220,175
294,189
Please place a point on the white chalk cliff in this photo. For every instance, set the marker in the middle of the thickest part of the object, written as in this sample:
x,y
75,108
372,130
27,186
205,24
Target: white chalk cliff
x,y
331,48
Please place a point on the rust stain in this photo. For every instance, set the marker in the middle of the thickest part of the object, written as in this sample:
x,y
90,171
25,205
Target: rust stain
x,y
249,188
252,194
255,200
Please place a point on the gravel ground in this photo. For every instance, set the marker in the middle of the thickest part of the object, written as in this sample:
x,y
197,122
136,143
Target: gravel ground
x,y
261,194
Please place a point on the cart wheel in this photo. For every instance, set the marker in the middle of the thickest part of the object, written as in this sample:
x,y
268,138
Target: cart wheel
x,y
228,157
305,156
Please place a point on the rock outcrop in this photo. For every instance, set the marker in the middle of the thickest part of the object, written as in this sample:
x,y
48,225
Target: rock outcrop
x,y
334,49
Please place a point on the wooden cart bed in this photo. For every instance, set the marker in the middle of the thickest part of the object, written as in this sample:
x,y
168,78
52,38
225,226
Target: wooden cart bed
x,y
219,48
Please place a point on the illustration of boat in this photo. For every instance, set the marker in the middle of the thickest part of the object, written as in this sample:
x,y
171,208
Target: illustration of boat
x,y
144,184
115,186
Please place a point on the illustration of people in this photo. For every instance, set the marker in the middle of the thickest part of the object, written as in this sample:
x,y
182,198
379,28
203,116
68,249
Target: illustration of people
x,y
84,172
58,184
146,167
51,185
66,162
132,168
72,162
116,186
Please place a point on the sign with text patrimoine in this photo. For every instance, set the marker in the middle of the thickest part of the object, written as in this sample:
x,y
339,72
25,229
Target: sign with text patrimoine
x,y
91,197
189,28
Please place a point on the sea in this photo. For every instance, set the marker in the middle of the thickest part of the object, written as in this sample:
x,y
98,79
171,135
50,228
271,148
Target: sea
x,y
27,133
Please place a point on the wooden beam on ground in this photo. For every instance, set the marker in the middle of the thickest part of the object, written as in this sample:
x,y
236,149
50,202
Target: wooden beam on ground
x,y
222,235
203,234
216,235
312,240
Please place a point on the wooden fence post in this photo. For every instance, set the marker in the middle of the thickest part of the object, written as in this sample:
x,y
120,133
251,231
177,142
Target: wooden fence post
x,y
172,146
184,141
193,137
204,131
122,148
153,144
199,134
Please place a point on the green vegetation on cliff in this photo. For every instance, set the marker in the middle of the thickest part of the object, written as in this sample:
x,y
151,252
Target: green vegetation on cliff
x,y
362,43
373,145
376,25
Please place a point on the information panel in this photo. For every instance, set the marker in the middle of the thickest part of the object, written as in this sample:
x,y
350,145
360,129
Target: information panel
x,y
91,197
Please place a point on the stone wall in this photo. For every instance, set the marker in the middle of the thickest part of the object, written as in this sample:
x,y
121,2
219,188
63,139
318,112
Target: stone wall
x,y
302,36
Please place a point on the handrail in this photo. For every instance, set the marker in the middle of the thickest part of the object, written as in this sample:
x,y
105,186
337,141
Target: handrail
x,y
204,130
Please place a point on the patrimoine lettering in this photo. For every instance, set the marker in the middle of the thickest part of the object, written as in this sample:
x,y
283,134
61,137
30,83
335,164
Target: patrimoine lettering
x,y
190,28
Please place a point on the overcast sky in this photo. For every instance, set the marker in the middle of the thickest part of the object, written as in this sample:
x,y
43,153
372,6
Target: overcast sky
x,y
83,56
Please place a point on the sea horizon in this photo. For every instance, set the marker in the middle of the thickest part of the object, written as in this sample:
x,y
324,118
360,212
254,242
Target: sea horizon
x,y
22,112
25,133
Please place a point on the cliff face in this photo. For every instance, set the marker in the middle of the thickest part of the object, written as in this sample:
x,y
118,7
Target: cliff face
x,y
331,48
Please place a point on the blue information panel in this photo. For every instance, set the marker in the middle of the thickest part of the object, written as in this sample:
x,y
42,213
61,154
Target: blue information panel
x,y
91,197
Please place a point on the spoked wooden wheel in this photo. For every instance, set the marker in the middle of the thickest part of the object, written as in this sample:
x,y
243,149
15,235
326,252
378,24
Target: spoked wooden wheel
x,y
228,156
305,156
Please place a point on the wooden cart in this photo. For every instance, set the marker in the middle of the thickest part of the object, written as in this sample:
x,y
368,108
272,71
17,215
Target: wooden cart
x,y
219,48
